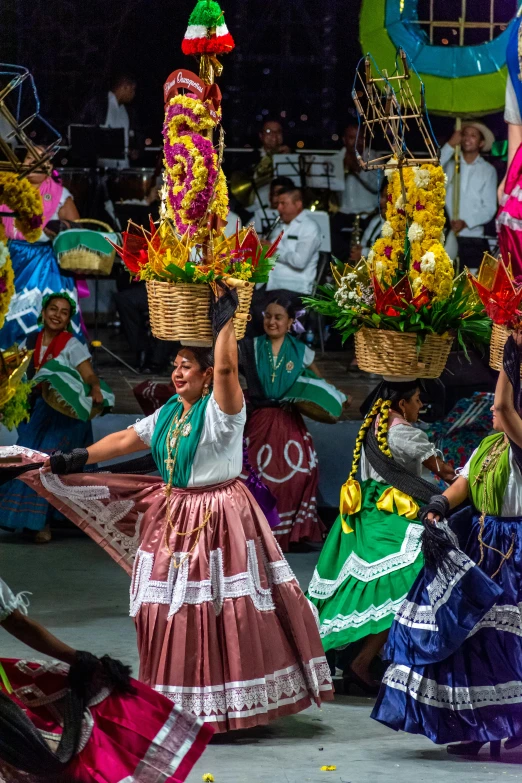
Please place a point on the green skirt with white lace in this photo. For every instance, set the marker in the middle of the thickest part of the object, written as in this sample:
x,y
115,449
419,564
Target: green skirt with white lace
x,y
363,577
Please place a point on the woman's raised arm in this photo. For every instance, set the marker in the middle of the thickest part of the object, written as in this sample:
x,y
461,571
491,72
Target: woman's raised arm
x,y
227,391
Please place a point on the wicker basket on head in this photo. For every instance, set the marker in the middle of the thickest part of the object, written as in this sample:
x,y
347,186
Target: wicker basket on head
x,y
395,353
180,311
499,335
73,252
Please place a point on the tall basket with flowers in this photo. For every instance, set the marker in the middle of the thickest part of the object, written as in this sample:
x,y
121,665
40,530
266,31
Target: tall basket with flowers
x,y
186,256
403,303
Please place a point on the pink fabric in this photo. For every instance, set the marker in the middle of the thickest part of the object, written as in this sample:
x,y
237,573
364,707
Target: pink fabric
x,y
83,289
394,418
509,216
51,193
282,453
140,736
228,635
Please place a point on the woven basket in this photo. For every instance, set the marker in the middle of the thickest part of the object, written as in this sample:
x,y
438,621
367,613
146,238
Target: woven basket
x,y
57,403
83,260
395,353
180,311
499,335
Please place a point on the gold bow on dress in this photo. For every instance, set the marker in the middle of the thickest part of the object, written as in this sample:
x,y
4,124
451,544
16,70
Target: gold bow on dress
x,y
397,502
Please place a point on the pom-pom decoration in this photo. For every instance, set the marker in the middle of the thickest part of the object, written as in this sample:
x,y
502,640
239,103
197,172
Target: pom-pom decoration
x,y
207,32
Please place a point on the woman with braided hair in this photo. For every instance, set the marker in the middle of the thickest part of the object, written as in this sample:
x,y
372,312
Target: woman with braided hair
x,y
84,720
373,552
456,652
223,628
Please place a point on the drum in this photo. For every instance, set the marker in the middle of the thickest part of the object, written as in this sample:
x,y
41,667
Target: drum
x,y
82,183
130,184
317,399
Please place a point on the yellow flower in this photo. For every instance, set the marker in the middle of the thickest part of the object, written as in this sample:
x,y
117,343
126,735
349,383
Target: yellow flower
x,y
208,778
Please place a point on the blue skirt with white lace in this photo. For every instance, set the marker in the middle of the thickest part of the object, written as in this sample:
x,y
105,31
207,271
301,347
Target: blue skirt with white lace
x,y
456,643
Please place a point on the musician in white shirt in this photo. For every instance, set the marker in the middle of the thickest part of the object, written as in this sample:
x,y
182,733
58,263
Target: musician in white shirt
x,y
298,252
478,190
373,229
360,195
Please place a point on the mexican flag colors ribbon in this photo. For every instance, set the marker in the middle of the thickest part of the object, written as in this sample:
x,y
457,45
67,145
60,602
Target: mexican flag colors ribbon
x,y
207,32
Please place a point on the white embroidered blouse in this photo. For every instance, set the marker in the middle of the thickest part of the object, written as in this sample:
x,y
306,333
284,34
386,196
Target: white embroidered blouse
x,y
410,448
512,501
219,455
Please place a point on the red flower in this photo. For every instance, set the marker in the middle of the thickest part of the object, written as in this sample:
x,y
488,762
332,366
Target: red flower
x,y
388,251
419,206
417,266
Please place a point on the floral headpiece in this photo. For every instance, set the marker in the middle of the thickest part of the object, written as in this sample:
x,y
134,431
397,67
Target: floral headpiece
x,y
58,295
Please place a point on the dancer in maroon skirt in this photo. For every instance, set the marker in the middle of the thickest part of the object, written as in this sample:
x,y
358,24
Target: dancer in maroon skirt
x,y
224,629
84,720
280,448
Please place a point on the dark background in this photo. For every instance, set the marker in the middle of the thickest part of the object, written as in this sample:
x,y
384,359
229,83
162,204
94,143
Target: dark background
x,y
291,56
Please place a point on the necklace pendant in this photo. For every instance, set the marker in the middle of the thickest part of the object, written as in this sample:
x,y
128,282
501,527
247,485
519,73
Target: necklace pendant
x,y
186,430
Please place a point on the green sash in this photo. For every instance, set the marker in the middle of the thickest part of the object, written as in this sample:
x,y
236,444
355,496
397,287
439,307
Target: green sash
x,y
187,444
71,391
495,481
289,362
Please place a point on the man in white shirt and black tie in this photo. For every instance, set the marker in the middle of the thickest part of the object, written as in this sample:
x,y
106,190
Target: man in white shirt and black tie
x,y
478,190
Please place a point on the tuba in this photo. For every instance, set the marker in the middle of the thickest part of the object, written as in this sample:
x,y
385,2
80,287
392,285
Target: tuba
x,y
243,185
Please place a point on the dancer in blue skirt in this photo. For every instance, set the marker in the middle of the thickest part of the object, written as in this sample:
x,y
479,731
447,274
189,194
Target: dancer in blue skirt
x,y
456,643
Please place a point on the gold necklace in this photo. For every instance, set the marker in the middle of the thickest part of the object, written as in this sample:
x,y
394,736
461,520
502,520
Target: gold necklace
x,y
485,474
180,427
274,364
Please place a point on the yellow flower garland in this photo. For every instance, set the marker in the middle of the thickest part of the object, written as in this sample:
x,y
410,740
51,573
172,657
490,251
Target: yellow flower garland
x,y
430,267
24,199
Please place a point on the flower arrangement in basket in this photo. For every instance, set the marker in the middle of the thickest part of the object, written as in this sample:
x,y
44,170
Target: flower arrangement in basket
x,y
181,274
500,295
187,255
403,303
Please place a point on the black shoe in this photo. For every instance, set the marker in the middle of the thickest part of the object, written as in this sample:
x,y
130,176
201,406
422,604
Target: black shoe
x,y
351,678
473,748
512,742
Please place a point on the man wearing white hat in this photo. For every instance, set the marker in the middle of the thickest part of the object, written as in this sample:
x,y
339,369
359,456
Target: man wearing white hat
x,y
478,190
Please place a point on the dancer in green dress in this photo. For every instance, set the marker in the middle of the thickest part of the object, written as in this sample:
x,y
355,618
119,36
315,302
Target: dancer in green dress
x,y
373,552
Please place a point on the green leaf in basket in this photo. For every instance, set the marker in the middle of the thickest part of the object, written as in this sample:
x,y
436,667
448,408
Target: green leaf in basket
x,y
177,273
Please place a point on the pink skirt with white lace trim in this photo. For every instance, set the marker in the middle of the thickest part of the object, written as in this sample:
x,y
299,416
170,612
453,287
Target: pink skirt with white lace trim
x,y
228,635
140,737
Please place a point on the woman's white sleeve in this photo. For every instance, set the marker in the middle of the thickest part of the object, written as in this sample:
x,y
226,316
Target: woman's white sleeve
x,y
511,110
144,428
9,601
412,442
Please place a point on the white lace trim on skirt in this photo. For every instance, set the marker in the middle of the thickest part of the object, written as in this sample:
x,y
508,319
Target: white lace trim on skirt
x,y
179,590
360,569
252,697
431,693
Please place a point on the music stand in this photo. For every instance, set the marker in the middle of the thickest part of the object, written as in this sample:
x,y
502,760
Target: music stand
x,y
91,142
325,171
290,165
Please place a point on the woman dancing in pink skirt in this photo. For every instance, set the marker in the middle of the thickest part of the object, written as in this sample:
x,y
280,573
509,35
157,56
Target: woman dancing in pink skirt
x,y
84,720
223,627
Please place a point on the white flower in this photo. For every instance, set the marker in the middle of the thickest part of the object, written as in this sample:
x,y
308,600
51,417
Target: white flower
x,y
417,282
4,254
351,277
352,295
415,232
421,177
445,178
399,204
428,262
379,269
371,256
388,173
386,230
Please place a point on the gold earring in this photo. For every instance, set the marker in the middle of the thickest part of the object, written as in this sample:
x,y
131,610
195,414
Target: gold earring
x,y
206,391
